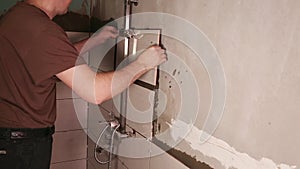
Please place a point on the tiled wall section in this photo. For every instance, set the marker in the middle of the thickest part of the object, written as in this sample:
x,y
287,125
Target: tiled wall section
x,y
163,160
70,139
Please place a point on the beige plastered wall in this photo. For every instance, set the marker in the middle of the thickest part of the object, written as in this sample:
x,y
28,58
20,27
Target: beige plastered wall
x,y
258,44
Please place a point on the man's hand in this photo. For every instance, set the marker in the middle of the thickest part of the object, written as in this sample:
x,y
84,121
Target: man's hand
x,y
152,57
107,32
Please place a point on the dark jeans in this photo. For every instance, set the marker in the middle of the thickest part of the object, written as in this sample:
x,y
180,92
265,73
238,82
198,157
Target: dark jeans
x,y
29,153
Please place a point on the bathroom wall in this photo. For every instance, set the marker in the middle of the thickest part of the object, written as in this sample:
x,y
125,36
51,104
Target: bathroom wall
x,y
70,138
5,5
257,42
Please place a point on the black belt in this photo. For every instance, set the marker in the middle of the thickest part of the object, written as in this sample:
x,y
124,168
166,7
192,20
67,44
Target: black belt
x,y
24,133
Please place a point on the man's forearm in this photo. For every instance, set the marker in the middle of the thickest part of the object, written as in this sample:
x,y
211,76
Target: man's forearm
x,y
118,80
98,87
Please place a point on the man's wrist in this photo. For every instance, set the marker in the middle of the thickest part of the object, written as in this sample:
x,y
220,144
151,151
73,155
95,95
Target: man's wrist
x,y
142,66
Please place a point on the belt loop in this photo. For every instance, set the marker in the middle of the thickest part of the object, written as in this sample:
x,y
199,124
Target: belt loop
x,y
52,130
5,134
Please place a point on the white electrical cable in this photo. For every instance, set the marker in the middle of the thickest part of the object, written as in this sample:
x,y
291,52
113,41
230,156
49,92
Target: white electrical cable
x,y
111,146
96,146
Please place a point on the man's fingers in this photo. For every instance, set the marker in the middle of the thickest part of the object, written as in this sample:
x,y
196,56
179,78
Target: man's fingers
x,y
109,29
164,56
113,35
109,32
161,50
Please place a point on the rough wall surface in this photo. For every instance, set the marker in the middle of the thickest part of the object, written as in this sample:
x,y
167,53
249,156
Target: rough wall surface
x,y
257,42
258,45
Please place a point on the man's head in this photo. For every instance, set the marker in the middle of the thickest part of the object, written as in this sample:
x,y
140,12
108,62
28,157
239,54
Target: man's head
x,y
51,7
62,6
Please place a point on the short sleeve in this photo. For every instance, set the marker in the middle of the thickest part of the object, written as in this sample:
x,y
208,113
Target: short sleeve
x,y
50,54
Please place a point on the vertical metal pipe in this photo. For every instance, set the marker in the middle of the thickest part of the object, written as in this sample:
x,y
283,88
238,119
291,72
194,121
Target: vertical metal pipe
x,y
124,95
155,125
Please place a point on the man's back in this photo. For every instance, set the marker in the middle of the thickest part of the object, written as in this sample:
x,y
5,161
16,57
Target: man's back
x,y
33,49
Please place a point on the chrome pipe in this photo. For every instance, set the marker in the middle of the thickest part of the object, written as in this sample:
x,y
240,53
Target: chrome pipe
x,y
124,95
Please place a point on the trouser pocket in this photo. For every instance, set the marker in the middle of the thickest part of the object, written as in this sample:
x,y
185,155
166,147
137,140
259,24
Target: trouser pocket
x,y
8,155
25,154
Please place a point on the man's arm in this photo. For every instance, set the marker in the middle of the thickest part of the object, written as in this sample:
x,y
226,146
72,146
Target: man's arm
x,y
98,87
107,32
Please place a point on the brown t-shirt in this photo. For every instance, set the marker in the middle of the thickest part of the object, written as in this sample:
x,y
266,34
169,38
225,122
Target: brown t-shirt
x,y
32,50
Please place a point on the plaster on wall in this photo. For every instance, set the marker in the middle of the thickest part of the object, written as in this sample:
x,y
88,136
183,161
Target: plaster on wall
x,y
258,42
228,155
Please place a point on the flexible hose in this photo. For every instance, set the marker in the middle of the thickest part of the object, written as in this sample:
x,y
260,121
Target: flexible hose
x,y
111,147
96,146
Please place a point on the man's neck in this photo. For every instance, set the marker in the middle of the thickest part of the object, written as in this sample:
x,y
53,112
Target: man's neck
x,y
44,5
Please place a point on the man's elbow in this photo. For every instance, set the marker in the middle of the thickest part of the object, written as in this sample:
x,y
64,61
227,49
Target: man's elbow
x,y
98,101
101,99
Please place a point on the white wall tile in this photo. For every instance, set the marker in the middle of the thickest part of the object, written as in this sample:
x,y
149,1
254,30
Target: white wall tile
x,y
71,145
140,109
64,92
93,164
68,118
78,164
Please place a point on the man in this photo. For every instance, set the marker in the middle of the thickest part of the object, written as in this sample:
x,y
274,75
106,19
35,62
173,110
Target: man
x,y
34,54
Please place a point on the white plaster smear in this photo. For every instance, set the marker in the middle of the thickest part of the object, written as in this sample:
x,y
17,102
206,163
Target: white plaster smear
x,y
227,155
